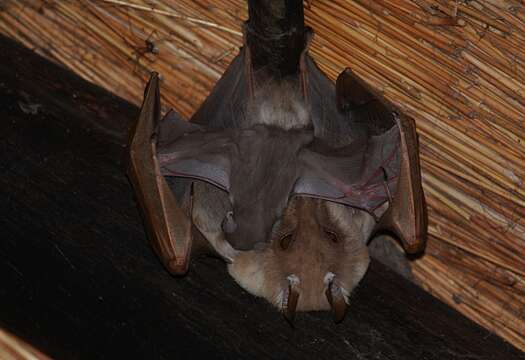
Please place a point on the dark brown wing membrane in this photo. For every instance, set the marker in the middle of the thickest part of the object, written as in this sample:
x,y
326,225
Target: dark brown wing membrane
x,y
354,159
360,152
169,227
225,107
189,150
257,166
406,215
364,154
354,175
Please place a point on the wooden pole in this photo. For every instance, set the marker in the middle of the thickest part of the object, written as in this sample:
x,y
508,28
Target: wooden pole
x,y
275,35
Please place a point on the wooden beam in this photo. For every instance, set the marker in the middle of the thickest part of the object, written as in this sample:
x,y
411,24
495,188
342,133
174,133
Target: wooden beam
x,y
78,279
15,349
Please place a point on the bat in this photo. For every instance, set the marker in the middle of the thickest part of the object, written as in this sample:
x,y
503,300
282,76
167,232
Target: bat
x,y
286,178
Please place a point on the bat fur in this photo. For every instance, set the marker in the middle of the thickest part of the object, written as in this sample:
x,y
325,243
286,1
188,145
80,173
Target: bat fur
x,y
324,241
313,256
286,178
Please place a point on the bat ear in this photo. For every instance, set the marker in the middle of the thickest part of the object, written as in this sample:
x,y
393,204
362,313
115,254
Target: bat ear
x,y
169,227
186,149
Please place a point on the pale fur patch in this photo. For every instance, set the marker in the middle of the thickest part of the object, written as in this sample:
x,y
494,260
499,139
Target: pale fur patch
x,y
328,278
280,105
293,279
247,272
346,294
339,214
252,272
214,235
360,231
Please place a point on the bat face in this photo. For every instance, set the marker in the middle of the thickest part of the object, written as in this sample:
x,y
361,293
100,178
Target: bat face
x,y
316,256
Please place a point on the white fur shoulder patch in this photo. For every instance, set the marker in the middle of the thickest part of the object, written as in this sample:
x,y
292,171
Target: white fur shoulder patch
x,y
279,105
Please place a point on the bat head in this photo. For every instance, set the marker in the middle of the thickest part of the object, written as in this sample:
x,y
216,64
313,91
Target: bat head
x,y
316,256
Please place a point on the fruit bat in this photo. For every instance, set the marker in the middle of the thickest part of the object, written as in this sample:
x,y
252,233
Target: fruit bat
x,y
286,178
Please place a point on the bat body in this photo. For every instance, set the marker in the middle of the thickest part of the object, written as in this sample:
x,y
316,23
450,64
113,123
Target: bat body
x,y
284,176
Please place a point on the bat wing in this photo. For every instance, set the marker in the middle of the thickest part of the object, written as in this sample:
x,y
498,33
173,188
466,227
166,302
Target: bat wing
x,y
205,147
364,154
254,163
168,225
225,106
190,150
360,175
171,147
256,166
406,215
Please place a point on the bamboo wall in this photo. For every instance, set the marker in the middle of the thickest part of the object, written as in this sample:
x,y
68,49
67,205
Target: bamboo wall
x,y
457,67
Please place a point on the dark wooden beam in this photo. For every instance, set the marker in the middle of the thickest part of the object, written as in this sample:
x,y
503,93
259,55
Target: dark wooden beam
x,y
275,33
79,281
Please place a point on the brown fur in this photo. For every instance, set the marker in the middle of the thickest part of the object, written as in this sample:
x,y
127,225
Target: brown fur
x,y
308,225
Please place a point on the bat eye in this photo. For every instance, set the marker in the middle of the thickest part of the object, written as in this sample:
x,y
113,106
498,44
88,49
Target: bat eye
x,y
331,235
286,241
